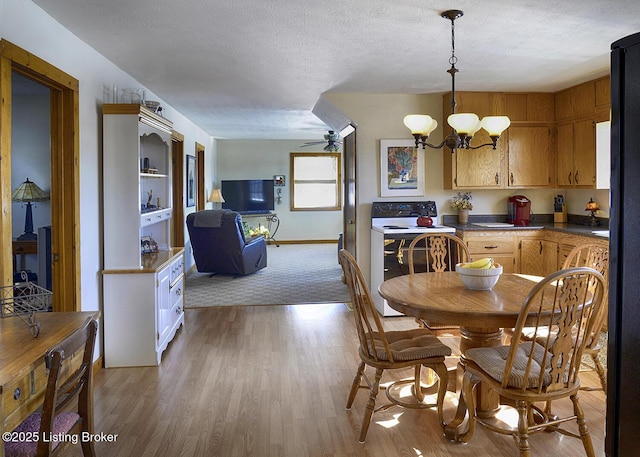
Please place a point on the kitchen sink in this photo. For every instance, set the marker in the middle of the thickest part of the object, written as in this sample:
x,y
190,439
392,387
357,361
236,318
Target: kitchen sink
x,y
604,233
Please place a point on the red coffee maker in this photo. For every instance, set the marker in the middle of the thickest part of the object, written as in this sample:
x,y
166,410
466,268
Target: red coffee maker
x,y
519,208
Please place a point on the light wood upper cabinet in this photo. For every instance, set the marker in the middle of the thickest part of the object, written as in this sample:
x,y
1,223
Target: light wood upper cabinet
x,y
475,168
530,158
584,153
530,107
551,141
577,111
576,154
564,156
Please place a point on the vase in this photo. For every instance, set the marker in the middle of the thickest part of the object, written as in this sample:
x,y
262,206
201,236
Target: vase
x,y
463,216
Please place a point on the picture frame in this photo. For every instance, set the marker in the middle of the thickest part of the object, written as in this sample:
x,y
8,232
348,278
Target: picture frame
x,y
191,181
401,168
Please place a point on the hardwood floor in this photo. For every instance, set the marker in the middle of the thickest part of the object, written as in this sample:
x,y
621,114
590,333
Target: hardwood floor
x,y
273,381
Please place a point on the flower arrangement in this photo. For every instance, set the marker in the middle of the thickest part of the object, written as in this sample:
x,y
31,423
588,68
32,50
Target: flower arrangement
x,y
462,201
254,231
402,158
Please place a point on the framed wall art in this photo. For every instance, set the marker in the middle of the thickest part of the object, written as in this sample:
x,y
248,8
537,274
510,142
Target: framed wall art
x,y
401,169
191,181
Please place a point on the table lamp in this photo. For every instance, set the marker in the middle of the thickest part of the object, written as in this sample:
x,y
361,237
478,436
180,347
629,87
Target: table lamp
x,y
216,198
592,219
28,192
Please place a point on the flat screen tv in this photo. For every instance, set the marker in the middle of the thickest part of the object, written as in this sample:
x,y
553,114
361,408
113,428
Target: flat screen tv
x,y
248,195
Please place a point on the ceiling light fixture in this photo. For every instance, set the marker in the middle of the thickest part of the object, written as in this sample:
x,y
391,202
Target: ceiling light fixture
x,y
464,125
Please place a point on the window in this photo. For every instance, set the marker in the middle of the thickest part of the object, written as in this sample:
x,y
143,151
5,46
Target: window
x,y
315,181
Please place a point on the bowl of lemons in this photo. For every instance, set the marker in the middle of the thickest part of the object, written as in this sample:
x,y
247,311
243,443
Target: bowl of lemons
x,y
481,274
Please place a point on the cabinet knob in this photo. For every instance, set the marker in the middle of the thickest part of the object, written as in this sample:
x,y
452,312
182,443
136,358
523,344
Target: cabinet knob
x,y
570,173
497,178
576,177
491,247
512,178
17,393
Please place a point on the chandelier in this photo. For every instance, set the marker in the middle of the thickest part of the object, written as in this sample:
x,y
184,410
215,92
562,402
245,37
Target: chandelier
x,y
464,125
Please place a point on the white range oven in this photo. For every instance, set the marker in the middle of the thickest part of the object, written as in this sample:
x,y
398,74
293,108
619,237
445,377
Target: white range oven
x,y
393,227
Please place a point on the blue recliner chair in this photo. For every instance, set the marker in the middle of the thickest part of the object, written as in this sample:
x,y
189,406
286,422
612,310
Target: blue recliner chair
x,y
219,245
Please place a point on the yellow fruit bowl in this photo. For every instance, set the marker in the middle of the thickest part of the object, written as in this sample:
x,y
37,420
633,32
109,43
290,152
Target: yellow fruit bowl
x,y
479,278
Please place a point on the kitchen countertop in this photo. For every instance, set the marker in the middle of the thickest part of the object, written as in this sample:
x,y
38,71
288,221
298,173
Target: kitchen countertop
x,y
572,227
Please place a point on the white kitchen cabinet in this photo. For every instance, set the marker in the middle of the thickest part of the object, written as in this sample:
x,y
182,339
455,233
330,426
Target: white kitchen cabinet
x,y
142,291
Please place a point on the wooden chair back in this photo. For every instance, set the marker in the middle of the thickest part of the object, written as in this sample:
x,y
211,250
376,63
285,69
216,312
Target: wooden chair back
x,y
367,319
575,296
596,256
441,252
70,380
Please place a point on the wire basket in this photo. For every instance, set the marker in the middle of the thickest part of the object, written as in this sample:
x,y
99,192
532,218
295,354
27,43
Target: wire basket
x,y
25,299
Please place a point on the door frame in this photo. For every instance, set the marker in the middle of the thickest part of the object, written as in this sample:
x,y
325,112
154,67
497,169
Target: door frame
x,y
350,208
177,173
65,173
201,196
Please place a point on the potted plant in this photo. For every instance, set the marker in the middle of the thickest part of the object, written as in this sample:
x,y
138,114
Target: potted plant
x,y
462,204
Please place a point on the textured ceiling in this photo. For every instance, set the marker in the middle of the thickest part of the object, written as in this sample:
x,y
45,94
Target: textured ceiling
x,y
255,68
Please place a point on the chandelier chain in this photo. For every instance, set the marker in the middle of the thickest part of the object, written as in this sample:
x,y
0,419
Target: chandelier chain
x,y
453,60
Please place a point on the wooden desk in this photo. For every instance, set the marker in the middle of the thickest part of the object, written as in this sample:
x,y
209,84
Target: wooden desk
x,y
23,376
481,314
22,248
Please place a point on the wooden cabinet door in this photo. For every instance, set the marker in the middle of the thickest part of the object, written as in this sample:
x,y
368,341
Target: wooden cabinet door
x,y
564,156
584,160
529,157
538,257
479,167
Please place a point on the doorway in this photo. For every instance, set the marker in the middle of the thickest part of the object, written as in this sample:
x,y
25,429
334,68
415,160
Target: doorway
x,y
31,181
64,171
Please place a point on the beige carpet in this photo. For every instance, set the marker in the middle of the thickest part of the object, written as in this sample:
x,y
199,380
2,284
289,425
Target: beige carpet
x,y
295,274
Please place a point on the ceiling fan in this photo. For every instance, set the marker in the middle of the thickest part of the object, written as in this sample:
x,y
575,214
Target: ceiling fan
x,y
332,140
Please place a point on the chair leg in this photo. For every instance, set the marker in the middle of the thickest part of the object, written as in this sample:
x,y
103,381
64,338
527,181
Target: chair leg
x,y
88,449
585,436
417,385
356,385
602,374
366,420
523,428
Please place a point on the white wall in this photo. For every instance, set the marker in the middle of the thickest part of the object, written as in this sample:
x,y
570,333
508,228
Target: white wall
x,y
262,159
26,25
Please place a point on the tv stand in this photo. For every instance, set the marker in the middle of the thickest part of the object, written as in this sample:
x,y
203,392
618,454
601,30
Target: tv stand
x,y
272,218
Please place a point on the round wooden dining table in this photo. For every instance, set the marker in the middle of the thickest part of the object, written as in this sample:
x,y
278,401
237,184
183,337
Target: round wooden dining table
x,y
443,298
481,315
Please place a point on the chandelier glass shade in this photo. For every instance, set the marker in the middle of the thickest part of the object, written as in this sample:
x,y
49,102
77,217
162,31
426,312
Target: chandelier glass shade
x,y
464,125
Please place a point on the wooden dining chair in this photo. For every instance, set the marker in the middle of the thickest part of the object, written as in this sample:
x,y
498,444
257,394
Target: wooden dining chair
x,y
70,367
441,252
391,350
539,369
596,256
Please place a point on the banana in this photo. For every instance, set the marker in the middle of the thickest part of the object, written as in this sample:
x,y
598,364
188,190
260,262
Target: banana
x,y
484,263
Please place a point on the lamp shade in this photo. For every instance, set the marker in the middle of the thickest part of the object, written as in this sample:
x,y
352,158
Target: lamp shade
x,y
216,196
29,191
495,125
591,205
463,123
421,124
